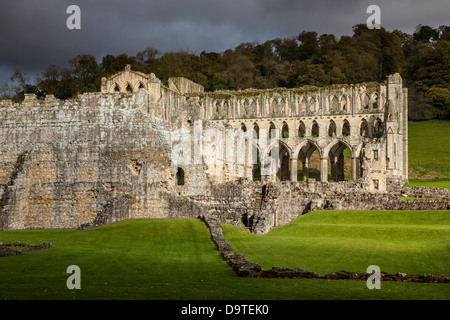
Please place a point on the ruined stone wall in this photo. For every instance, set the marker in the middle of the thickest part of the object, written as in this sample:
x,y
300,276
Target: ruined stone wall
x,y
259,207
63,163
368,119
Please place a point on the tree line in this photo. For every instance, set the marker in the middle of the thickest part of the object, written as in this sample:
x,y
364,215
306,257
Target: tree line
x,y
422,59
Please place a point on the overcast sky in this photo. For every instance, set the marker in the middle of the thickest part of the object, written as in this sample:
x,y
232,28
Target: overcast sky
x,y
33,33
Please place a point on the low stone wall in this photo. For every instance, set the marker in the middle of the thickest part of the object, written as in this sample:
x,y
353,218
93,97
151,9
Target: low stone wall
x,y
425,192
245,268
259,207
5,251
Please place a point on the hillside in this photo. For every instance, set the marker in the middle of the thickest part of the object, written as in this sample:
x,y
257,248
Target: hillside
x,y
327,241
429,153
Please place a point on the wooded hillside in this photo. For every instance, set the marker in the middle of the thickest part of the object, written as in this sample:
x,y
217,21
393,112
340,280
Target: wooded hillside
x,y
422,59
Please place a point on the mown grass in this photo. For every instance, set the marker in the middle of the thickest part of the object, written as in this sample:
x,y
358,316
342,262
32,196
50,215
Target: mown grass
x,y
162,259
415,242
429,151
437,183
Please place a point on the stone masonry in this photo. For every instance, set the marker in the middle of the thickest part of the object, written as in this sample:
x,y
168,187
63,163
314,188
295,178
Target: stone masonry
x,y
140,148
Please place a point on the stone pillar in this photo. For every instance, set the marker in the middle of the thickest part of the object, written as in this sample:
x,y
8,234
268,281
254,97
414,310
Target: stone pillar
x,y
355,162
293,169
305,169
324,169
334,167
340,168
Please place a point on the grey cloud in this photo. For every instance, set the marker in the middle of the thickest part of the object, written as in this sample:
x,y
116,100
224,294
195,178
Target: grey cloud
x,y
34,35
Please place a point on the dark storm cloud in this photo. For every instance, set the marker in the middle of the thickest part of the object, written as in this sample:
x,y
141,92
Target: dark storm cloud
x,y
34,35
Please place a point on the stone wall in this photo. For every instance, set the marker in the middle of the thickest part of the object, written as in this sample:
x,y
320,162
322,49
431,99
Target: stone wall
x,y
245,268
64,163
420,192
259,207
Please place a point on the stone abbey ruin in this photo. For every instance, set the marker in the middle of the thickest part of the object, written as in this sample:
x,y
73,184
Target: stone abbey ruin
x,y
252,158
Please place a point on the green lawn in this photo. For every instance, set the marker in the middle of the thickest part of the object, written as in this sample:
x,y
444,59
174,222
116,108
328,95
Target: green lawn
x,y
438,183
173,259
429,150
415,242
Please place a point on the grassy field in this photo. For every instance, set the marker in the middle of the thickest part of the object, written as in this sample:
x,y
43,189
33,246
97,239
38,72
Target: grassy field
x,y
438,183
429,151
175,259
414,242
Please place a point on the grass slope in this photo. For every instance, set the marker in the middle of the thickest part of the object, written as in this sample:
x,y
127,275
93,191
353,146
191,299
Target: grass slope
x,y
414,242
161,259
429,151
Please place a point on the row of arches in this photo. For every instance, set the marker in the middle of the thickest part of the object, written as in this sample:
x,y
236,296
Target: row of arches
x,y
127,87
334,163
301,105
337,162
238,155
373,129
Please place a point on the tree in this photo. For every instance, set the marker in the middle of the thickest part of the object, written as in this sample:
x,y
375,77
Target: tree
x,y
146,55
309,45
20,85
425,34
440,97
86,73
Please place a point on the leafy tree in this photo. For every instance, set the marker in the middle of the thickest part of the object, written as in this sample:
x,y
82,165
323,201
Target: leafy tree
x,y
86,73
425,34
422,59
440,97
309,45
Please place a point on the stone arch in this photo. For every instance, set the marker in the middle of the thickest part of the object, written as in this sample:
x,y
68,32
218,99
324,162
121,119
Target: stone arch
x,y
285,130
274,106
301,130
245,107
226,109
180,177
128,88
374,101
282,106
358,160
332,129
334,104
336,142
340,163
297,152
364,128
116,87
284,168
377,128
217,107
346,128
303,105
255,130
365,100
343,103
315,129
272,128
256,162
312,105
254,107
308,155
140,85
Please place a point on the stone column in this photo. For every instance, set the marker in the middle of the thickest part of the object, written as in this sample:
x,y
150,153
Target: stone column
x,y
293,169
355,162
324,169
334,166
305,169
